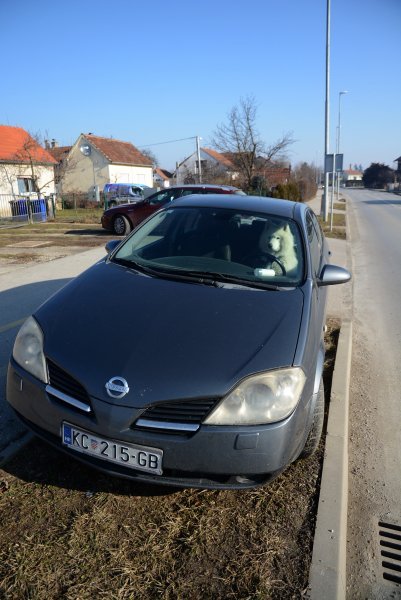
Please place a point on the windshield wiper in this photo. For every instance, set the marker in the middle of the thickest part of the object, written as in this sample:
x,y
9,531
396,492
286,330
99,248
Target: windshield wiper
x,y
225,278
189,276
202,277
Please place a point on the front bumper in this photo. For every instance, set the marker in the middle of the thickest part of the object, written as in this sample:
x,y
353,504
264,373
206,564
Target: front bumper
x,y
213,457
106,223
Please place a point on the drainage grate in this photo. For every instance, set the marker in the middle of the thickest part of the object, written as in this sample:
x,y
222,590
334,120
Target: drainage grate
x,y
390,550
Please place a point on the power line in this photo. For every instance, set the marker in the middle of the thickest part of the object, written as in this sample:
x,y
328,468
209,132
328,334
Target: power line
x,y
169,142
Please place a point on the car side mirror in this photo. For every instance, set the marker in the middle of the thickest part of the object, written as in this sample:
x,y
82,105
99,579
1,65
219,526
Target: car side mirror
x,y
111,245
331,275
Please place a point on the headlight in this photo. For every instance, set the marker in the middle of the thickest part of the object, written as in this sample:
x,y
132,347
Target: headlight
x,y
28,349
260,399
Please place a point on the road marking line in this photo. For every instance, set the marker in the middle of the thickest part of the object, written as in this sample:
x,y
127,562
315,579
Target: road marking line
x,y
12,325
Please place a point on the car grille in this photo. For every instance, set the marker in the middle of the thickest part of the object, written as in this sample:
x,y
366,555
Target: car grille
x,y
66,389
173,417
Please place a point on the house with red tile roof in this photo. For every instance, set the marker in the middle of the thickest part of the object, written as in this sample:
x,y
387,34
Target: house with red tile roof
x,y
94,161
215,168
161,177
352,177
26,168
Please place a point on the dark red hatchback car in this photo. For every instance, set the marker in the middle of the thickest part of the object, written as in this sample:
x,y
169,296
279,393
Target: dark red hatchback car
x,y
123,218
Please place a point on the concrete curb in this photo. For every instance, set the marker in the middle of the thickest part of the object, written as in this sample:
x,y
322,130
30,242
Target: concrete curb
x,y
327,576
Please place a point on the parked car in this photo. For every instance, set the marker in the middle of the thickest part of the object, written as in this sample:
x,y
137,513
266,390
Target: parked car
x,y
124,193
215,310
122,219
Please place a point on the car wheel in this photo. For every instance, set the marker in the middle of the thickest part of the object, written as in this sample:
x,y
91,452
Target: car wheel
x,y
121,225
313,439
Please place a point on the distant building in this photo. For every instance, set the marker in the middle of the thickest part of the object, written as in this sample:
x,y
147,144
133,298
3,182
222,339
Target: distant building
x,y
161,177
273,173
215,168
26,168
352,178
94,161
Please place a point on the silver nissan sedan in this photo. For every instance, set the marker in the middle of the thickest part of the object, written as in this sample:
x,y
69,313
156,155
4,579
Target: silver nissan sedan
x,y
192,354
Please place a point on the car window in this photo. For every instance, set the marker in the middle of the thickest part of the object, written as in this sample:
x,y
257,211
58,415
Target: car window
x,y
315,244
318,229
162,197
255,247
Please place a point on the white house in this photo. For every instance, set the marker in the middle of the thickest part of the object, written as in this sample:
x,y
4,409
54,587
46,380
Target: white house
x,y
352,178
161,177
26,168
94,161
213,165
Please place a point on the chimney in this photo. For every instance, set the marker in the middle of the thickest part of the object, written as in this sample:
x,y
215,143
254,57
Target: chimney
x,y
54,143
47,144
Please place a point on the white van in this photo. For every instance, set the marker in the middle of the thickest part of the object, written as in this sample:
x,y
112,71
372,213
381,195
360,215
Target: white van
x,y
124,193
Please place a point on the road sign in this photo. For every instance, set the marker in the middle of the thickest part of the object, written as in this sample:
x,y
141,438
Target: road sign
x,y
329,162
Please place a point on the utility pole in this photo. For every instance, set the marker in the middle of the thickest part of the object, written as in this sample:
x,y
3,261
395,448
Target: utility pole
x,y
199,158
325,203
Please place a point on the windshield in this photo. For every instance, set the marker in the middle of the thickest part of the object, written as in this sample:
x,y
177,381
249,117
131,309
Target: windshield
x,y
219,243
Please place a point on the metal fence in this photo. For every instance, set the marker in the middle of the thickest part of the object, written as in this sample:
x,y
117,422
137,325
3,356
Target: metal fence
x,y
24,209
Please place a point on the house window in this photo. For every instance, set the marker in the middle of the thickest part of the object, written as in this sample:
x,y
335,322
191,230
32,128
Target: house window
x,y
25,185
203,165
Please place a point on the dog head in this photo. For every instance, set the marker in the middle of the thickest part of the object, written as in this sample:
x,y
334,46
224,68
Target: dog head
x,y
276,240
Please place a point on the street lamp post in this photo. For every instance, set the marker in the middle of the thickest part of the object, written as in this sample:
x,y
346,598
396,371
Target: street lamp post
x,y
338,137
325,197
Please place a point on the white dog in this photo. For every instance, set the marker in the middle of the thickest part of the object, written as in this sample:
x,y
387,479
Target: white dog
x,y
279,242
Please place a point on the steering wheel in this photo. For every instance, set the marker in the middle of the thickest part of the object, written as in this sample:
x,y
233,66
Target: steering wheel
x,y
266,258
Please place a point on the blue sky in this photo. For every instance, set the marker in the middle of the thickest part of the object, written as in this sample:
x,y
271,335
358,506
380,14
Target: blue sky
x,y
151,72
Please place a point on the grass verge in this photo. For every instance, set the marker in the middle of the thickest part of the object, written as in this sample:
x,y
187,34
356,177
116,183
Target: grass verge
x,y
69,532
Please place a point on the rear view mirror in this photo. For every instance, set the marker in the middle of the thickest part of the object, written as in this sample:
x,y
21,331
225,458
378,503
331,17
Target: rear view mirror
x,y
331,275
111,245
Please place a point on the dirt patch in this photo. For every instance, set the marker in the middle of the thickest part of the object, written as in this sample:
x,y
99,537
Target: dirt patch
x,y
69,532
49,241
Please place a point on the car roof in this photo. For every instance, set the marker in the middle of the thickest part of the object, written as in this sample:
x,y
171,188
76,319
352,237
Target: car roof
x,y
202,186
262,204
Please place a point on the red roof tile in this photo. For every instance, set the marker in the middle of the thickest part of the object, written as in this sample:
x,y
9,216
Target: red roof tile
x,y
353,172
16,145
119,152
59,152
163,173
221,158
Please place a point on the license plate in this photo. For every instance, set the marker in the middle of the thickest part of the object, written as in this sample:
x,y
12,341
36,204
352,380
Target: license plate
x,y
141,458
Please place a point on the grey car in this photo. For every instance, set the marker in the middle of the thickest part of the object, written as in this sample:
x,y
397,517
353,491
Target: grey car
x,y
192,355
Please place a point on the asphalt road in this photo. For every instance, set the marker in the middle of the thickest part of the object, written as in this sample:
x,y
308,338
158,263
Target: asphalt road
x,y
21,291
375,394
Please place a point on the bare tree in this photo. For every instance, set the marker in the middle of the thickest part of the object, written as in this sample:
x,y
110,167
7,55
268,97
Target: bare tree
x,y
27,155
6,178
151,155
305,176
240,140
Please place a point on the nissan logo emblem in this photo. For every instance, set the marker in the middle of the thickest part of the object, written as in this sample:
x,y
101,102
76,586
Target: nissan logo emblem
x,y
117,387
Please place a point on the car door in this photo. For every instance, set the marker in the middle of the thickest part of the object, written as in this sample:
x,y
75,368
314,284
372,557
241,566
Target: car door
x,y
152,204
319,293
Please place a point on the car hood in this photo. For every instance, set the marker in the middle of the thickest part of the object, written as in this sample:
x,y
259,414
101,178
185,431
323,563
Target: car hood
x,y
169,340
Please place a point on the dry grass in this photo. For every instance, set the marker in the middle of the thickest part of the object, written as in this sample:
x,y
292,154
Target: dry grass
x,y
79,215
339,226
69,532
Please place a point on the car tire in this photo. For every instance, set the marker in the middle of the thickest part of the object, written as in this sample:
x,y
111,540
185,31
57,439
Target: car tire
x,y
315,433
121,225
